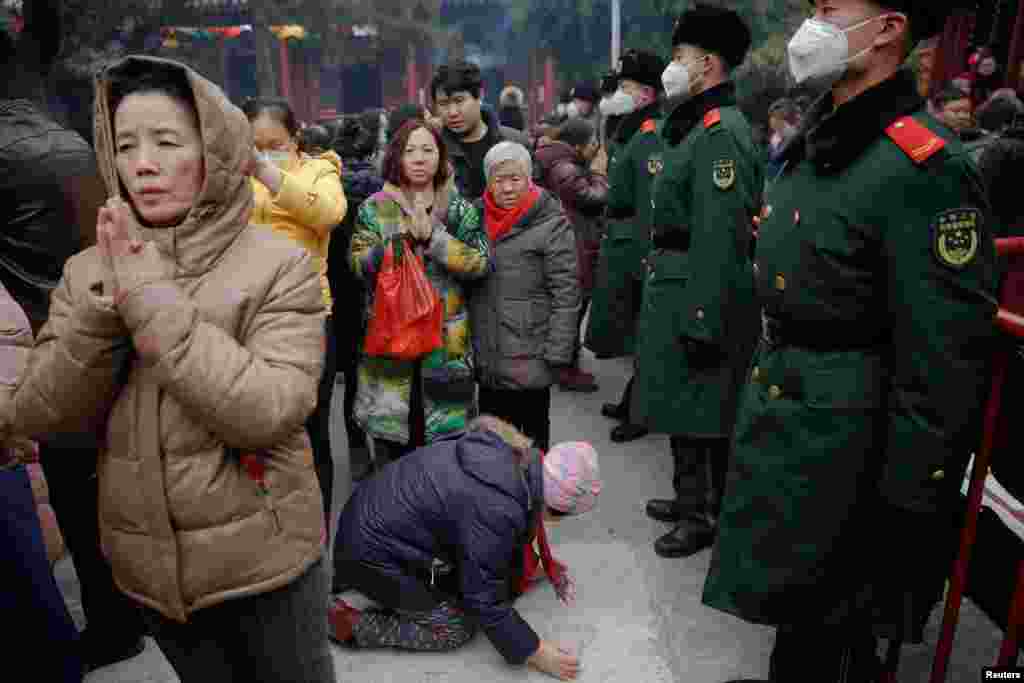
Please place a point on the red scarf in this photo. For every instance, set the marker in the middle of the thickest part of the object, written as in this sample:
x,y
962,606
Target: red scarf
x,y
557,572
498,220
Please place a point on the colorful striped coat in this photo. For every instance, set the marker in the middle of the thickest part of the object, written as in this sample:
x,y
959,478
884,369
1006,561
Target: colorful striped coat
x,y
458,252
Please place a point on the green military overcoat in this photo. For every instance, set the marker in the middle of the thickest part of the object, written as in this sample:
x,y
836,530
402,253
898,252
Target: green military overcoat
x,y
699,320
876,276
634,160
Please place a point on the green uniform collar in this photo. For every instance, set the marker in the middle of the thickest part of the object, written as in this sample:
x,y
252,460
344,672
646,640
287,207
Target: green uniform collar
x,y
630,123
684,116
832,140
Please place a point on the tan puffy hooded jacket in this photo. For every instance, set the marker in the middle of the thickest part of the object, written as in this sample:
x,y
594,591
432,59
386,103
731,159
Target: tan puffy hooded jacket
x,y
219,391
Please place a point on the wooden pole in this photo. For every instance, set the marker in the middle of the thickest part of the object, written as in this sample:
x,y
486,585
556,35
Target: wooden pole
x,y
286,71
411,77
549,83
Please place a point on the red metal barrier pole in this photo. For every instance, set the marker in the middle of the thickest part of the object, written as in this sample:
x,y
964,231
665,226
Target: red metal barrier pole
x,y
974,493
1012,324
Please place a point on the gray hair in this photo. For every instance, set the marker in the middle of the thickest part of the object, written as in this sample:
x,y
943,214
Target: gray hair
x,y
504,152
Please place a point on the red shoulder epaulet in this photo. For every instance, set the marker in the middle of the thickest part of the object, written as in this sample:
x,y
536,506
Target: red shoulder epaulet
x,y
915,139
649,126
712,118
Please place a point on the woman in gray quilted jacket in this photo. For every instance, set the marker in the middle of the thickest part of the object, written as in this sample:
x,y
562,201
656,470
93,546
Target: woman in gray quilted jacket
x,y
524,316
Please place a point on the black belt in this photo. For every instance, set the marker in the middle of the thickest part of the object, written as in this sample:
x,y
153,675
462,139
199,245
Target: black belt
x,y
675,240
820,335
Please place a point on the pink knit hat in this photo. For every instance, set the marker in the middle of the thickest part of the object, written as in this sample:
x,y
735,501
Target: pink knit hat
x,y
572,479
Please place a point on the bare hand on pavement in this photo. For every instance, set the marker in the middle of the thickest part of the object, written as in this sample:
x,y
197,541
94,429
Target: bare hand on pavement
x,y
555,661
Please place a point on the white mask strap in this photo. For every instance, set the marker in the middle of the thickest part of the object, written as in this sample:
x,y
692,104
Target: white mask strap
x,y
864,23
870,19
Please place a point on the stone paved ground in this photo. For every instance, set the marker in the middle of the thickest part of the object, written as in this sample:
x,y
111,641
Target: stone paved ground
x,y
638,618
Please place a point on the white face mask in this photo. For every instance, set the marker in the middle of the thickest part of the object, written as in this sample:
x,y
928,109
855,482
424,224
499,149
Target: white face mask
x,y
820,51
677,78
572,110
619,104
281,159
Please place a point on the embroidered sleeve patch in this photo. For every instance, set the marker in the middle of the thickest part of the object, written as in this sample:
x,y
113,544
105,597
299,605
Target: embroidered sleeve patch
x,y
655,164
649,126
724,173
955,237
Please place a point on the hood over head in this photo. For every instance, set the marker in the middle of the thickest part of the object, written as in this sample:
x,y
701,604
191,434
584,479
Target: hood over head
x,y
225,202
496,453
488,458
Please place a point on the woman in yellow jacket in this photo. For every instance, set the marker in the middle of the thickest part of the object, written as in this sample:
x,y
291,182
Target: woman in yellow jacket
x,y
300,196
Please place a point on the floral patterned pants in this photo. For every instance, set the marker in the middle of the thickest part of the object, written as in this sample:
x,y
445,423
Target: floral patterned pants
x,y
445,627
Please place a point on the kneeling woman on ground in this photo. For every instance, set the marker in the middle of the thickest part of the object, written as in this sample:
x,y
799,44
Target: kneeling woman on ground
x,y
474,500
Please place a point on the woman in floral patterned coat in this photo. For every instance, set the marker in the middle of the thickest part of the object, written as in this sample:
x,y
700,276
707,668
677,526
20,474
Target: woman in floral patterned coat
x,y
403,404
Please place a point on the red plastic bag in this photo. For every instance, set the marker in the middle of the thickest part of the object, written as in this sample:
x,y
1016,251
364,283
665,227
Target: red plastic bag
x,y
407,312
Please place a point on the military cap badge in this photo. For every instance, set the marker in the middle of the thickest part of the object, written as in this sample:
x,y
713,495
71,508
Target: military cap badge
x,y
724,173
955,237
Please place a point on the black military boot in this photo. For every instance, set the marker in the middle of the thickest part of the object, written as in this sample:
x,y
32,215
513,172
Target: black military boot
x,y
687,481
665,510
619,411
626,432
692,535
697,500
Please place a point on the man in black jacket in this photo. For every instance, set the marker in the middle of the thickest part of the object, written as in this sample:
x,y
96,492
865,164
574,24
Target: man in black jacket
x,y
470,129
50,194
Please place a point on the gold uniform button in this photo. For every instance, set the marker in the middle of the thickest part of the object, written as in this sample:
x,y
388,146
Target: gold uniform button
x,y
938,475
755,374
774,391
780,282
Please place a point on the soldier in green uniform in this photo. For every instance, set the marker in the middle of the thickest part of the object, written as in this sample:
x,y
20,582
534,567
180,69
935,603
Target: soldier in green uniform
x,y
634,159
876,274
699,322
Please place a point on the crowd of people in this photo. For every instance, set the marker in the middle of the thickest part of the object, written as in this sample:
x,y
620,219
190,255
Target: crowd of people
x,y
183,301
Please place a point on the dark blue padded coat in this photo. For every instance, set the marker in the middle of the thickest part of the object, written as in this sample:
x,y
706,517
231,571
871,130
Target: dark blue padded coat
x,y
464,499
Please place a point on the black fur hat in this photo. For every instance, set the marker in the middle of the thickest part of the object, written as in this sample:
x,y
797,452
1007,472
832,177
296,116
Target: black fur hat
x,y
643,67
714,29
